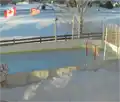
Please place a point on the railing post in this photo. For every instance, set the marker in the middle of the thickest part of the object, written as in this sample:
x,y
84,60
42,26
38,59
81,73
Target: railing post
x,y
65,37
40,39
13,40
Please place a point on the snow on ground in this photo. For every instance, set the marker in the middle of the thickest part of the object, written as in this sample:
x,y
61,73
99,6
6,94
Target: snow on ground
x,y
43,24
26,6
97,18
40,25
81,86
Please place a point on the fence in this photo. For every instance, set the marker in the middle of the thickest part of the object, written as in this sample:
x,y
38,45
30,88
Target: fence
x,y
48,39
111,38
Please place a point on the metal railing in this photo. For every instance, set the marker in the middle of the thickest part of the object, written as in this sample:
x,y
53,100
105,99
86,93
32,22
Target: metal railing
x,y
49,38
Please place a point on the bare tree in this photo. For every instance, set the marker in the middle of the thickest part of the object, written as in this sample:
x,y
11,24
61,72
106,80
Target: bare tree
x,y
82,7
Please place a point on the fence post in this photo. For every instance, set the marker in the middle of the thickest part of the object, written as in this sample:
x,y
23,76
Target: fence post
x,y
105,40
55,29
73,28
65,37
40,40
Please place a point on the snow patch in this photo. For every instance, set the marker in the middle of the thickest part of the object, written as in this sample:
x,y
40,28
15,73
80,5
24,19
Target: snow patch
x,y
30,92
59,82
102,70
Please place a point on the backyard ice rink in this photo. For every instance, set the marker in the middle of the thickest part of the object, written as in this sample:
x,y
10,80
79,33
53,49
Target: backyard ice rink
x,y
81,86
